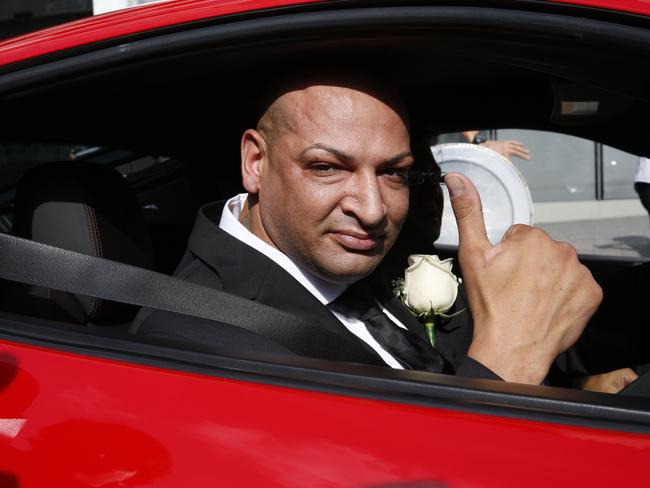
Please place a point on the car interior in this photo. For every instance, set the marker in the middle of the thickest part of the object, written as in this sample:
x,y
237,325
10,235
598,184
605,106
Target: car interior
x,y
120,143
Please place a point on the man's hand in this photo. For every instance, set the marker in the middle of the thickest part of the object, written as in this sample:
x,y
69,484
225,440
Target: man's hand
x,y
509,149
612,382
530,297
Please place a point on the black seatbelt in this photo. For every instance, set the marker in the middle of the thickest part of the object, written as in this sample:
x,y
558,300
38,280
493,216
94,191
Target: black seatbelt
x,y
38,264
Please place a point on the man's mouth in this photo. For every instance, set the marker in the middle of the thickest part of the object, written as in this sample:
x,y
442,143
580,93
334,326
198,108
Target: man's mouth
x,y
358,241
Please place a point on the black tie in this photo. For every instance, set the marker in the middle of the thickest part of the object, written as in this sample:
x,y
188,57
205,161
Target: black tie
x,y
412,351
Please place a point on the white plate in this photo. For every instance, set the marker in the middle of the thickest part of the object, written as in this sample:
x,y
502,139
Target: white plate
x,y
504,193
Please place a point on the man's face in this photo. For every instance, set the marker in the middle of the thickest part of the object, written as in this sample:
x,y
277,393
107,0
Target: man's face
x,y
331,183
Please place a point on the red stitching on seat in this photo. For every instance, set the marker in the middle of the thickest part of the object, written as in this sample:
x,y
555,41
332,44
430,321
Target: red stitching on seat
x,y
94,302
98,303
93,241
99,237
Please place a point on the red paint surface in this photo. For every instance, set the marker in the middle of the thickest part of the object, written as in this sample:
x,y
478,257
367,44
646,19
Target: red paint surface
x,y
116,24
95,422
632,6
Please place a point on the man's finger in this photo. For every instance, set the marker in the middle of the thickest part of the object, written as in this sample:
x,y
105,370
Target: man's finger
x,y
466,203
628,376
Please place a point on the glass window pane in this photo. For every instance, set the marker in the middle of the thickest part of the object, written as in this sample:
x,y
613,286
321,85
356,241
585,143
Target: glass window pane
x,y
561,167
561,176
16,158
619,169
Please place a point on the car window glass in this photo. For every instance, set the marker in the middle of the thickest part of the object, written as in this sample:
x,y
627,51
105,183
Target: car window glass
x,y
16,158
583,192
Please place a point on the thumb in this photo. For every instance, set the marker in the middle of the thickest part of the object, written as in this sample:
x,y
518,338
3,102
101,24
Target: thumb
x,y
628,376
466,202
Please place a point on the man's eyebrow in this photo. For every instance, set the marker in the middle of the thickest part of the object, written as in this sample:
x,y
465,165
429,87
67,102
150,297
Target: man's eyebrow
x,y
398,158
346,157
337,152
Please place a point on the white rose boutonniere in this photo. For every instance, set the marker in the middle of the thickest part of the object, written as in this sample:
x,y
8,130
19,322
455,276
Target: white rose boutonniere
x,y
429,289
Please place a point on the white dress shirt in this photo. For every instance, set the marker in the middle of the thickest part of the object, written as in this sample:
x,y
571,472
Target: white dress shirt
x,y
643,171
324,291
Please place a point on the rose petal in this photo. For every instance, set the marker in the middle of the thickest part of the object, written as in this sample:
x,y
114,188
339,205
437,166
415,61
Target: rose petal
x,y
429,284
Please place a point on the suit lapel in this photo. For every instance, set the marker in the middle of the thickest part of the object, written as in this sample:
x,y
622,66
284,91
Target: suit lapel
x,y
246,272
401,313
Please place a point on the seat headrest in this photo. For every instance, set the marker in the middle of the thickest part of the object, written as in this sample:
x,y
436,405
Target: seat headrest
x,y
88,208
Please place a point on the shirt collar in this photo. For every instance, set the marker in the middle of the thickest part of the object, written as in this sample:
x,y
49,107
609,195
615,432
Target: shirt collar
x,y
324,291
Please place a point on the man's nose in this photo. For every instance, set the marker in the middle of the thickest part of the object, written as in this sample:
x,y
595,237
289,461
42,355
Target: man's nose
x,y
364,200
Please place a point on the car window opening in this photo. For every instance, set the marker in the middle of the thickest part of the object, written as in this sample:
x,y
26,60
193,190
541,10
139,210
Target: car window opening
x,y
168,192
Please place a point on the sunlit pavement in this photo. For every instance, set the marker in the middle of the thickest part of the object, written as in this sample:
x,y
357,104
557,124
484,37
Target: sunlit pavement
x,y
627,236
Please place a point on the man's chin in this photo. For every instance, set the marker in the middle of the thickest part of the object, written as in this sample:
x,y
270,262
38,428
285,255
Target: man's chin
x,y
345,274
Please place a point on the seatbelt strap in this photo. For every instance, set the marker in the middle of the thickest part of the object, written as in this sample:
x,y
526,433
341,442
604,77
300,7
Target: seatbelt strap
x,y
34,263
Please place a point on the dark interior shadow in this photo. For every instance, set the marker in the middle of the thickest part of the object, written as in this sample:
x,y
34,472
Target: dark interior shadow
x,y
18,388
8,481
7,370
18,402
639,244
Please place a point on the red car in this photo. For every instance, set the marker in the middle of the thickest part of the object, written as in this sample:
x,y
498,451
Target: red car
x,y
160,93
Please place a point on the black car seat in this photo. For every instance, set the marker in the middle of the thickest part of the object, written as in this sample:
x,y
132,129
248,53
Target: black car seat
x,y
84,207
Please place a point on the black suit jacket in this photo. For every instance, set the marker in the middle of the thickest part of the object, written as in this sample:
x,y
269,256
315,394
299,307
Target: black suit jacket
x,y
216,259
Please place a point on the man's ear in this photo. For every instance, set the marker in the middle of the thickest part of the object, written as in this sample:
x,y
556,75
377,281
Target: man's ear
x,y
253,157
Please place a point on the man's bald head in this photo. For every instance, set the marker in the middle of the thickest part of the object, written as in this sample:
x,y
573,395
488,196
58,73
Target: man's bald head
x,y
277,119
285,95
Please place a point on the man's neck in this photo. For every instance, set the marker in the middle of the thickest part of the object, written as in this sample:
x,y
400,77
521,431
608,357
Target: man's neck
x,y
245,216
249,217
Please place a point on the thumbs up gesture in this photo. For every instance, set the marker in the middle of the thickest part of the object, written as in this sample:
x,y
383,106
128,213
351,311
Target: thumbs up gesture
x,y
529,295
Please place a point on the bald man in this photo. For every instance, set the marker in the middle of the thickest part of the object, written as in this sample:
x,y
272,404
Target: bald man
x,y
326,179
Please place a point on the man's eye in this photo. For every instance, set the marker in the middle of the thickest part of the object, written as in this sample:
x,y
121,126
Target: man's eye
x,y
397,175
322,169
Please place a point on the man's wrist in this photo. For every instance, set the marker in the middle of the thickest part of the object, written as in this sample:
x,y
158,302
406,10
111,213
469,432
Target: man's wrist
x,y
513,366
